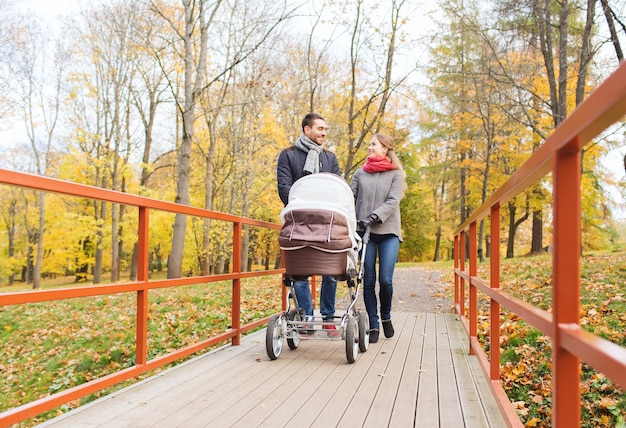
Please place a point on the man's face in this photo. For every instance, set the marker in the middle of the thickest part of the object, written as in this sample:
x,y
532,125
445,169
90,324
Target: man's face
x,y
316,132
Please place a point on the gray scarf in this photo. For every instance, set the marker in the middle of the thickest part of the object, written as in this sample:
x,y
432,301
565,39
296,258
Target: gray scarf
x,y
313,150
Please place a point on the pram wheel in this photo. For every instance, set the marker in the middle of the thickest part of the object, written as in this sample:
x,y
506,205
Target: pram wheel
x,y
352,340
293,342
274,337
364,332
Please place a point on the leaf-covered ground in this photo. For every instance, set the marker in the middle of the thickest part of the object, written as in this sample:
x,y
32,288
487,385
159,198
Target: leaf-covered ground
x,y
52,346
526,353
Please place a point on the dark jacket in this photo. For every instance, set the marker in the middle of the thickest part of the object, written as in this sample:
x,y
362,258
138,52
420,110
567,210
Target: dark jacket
x,y
291,168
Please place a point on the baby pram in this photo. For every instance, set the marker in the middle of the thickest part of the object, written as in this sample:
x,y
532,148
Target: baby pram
x,y
319,237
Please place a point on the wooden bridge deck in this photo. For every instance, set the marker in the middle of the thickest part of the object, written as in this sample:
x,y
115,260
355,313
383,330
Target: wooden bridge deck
x,y
422,377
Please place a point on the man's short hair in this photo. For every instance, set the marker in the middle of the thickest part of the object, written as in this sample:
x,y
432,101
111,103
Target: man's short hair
x,y
309,119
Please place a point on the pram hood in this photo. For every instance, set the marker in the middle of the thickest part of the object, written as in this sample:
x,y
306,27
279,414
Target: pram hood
x,y
323,191
316,198
319,227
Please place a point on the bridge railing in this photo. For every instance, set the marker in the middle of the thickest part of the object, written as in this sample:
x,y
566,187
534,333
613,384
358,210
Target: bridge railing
x,y
561,155
140,288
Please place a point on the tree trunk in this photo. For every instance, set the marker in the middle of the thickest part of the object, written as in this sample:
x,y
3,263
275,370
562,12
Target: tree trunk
x,y
513,225
205,264
39,254
609,14
437,255
279,260
115,249
97,267
245,247
11,230
510,243
134,262
481,233
536,245
192,90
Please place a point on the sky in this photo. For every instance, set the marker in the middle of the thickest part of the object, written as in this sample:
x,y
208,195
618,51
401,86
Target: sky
x,y
52,9
49,8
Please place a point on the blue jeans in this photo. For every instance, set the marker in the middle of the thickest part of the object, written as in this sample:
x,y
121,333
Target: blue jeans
x,y
327,297
386,248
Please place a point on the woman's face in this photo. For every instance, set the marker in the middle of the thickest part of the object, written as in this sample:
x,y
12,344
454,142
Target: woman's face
x,y
376,149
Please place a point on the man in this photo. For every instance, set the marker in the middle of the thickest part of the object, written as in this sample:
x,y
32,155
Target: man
x,y
308,156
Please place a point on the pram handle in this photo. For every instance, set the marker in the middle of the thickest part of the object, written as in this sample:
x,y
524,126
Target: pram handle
x,y
364,240
363,225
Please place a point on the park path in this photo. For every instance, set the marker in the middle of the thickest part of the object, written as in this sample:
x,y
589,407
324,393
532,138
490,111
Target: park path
x,y
417,290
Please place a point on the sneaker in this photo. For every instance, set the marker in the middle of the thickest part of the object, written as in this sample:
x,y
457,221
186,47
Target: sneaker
x,y
374,336
388,328
306,330
332,330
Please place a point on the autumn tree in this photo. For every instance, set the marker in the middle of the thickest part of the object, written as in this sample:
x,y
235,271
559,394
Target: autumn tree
x,y
11,217
371,83
9,24
456,134
103,119
228,137
39,70
195,26
149,92
563,35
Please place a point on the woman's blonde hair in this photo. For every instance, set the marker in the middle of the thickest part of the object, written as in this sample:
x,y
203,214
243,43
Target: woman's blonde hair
x,y
387,142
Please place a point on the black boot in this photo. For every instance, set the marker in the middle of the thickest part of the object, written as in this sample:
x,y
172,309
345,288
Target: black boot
x,y
374,336
388,328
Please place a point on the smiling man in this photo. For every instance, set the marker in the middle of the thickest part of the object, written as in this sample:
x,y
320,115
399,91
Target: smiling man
x,y
308,156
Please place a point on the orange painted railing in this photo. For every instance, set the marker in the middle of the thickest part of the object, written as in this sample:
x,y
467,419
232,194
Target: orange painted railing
x,y
561,155
141,288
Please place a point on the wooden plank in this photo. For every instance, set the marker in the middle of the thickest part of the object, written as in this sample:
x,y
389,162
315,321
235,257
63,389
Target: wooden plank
x,y
427,410
139,397
403,413
240,394
197,392
314,393
450,414
279,396
482,400
469,403
357,387
421,377
382,407
362,402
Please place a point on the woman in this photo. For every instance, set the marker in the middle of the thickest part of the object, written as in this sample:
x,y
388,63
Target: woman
x,y
378,187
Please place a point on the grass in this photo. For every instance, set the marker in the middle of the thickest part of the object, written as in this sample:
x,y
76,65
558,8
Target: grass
x,y
52,346
525,353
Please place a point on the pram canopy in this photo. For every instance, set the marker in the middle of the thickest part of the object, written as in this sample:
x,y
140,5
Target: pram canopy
x,y
319,221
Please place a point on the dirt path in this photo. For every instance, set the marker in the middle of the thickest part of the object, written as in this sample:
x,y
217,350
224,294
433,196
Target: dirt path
x,y
417,290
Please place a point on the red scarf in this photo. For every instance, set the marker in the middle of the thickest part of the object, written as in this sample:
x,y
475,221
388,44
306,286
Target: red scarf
x,y
377,164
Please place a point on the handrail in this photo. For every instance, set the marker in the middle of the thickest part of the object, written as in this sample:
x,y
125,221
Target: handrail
x,y
141,287
561,155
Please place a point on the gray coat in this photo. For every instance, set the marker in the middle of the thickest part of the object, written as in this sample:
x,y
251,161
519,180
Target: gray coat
x,y
379,193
